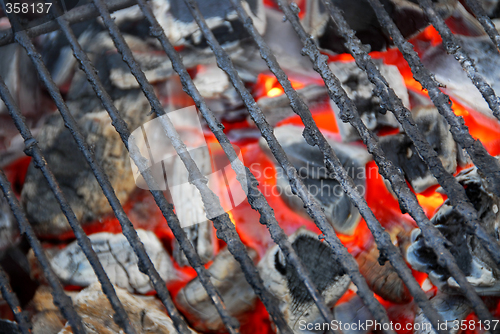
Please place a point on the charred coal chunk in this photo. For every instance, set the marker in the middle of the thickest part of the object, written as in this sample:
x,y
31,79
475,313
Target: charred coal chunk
x,y
282,280
222,19
309,162
475,262
451,308
357,86
118,259
400,149
71,169
229,280
383,279
447,70
146,314
407,16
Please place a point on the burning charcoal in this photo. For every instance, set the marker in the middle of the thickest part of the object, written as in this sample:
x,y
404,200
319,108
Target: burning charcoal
x,y
400,149
452,308
407,16
475,262
448,71
146,314
383,279
71,169
282,280
229,280
308,161
181,28
278,108
354,311
118,259
357,86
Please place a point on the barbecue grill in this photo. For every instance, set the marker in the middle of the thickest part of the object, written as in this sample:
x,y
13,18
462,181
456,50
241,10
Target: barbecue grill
x,y
226,231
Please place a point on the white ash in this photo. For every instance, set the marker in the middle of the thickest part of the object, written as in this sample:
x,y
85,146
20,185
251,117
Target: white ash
x,y
452,309
309,162
357,86
472,258
229,280
118,259
281,278
400,149
146,314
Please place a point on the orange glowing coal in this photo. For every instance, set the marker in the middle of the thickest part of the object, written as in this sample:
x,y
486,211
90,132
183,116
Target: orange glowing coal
x,y
268,86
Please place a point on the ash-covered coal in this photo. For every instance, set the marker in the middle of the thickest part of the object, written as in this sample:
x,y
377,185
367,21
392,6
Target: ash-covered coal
x,y
309,162
71,170
9,230
282,280
357,86
472,258
400,149
407,15
146,314
456,83
229,280
182,29
452,309
117,258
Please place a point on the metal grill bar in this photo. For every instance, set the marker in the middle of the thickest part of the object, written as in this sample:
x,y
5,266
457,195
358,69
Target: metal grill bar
x,y
121,317
407,199
246,178
382,238
146,265
122,128
75,15
224,226
452,45
485,21
453,189
62,301
312,206
392,102
488,165
11,299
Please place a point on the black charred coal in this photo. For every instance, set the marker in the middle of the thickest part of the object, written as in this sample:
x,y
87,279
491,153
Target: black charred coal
x,y
317,258
401,151
407,15
181,27
361,91
473,259
309,162
281,278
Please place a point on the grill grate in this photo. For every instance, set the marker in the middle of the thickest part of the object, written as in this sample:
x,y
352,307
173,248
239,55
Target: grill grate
x,y
224,226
